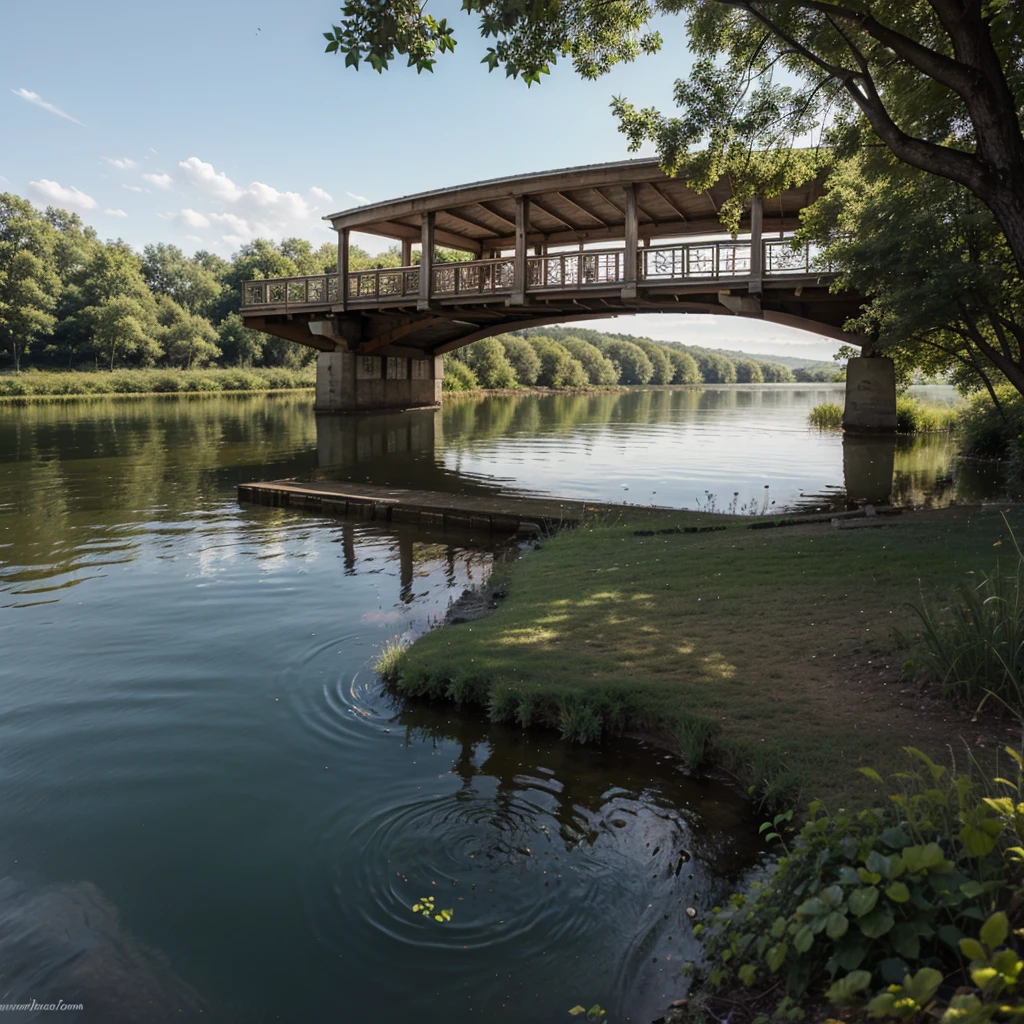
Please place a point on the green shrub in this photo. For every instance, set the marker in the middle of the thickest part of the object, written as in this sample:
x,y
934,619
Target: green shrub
x,y
458,377
827,414
988,431
776,373
914,417
865,901
598,367
11,387
685,366
748,372
631,361
716,369
525,361
974,645
487,360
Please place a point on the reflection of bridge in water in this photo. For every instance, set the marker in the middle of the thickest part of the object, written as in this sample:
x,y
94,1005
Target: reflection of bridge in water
x,y
554,247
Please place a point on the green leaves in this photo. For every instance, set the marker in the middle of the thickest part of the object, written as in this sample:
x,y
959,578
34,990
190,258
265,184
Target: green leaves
x,y
844,990
862,901
995,930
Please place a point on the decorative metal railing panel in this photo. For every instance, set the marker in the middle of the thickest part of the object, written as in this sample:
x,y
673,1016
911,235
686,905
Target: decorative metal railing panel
x,y
566,271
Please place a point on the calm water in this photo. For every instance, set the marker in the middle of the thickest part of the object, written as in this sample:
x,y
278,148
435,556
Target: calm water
x,y
210,812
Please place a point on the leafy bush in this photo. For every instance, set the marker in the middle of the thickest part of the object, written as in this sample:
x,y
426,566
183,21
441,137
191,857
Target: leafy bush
x,y
558,369
827,414
992,431
663,367
488,361
716,369
458,376
885,902
631,362
914,417
166,381
598,367
684,365
776,373
748,372
975,644
525,361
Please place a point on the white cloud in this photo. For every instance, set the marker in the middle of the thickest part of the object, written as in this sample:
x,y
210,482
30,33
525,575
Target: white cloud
x,y
135,188
205,177
70,197
115,213
361,200
124,165
160,180
34,97
192,219
5,181
319,193
194,238
229,220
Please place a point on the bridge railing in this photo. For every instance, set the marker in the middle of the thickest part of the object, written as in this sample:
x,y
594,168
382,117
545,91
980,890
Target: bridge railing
x,y
661,264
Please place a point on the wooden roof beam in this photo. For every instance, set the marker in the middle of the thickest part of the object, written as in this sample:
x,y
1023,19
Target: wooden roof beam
x,y
582,209
534,202
396,229
668,201
510,224
475,224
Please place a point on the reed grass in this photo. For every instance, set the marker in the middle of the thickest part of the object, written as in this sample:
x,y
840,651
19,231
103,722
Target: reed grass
x,y
827,414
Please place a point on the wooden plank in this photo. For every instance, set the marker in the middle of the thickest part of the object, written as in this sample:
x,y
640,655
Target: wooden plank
x,y
663,195
426,260
510,224
550,213
522,230
343,235
629,255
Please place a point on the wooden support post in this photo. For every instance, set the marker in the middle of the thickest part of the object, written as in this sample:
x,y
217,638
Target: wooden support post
x,y
426,261
756,246
631,247
343,267
522,230
406,252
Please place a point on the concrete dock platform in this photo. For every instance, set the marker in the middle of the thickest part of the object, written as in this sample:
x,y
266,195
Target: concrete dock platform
x,y
497,514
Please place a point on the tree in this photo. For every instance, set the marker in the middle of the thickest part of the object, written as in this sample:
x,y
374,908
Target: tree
x,y
748,371
631,362
558,368
599,368
239,344
684,365
939,83
660,362
487,360
307,260
776,373
168,271
945,296
716,369
188,339
523,357
28,282
123,326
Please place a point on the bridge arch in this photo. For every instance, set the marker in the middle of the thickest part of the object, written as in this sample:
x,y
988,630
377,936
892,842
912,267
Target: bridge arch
x,y
582,243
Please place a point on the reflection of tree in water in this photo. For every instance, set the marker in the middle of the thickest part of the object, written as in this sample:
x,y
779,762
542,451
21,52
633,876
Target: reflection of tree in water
x,y
588,791
93,469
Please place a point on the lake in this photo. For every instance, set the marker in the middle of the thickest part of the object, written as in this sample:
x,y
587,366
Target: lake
x,y
211,811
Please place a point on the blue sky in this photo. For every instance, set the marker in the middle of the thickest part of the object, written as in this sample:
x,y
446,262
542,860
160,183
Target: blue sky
x,y
206,124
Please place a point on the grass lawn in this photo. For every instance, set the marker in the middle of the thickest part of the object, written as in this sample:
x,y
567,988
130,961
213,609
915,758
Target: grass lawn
x,y
774,653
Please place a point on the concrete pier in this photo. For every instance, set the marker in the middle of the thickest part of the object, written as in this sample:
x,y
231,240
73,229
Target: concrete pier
x,y
870,395
350,382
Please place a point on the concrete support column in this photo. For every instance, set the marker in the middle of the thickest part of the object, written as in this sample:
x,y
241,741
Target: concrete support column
x,y
335,381
870,395
406,252
350,382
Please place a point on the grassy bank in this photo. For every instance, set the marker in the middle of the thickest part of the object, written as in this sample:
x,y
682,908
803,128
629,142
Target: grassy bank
x,y
145,382
912,416
771,652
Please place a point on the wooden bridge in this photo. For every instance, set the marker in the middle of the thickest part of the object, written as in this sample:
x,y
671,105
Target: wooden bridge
x,y
577,244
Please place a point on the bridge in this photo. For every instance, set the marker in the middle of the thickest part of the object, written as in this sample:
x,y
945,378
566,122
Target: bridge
x,y
553,247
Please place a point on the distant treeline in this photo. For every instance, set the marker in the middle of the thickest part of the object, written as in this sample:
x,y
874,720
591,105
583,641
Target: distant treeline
x,y
71,301
565,357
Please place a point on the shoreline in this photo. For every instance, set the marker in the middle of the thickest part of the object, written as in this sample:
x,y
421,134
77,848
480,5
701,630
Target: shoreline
x,y
759,706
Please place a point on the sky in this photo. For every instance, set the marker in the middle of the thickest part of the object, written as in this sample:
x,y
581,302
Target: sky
x,y
208,124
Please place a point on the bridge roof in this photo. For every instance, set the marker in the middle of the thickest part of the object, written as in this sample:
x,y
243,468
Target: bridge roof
x,y
574,204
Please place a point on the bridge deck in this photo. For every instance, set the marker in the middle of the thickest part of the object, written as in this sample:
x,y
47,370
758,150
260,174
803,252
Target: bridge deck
x,y
497,514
